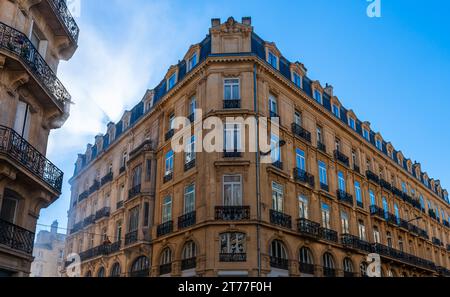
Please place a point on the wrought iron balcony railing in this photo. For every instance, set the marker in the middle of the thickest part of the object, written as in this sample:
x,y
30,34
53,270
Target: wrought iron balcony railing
x,y
76,227
304,177
66,18
230,104
329,272
402,256
280,219
341,158
278,164
89,220
232,213
134,191
354,242
83,196
436,241
95,186
17,148
16,238
103,213
169,134
165,268
308,228
189,165
321,146
107,178
306,268
232,154
372,177
188,263
17,43
164,228
356,168
378,212
119,204
131,237
101,250
324,187
301,132
328,234
232,257
359,204
168,177
345,197
187,220
385,184
281,263
122,169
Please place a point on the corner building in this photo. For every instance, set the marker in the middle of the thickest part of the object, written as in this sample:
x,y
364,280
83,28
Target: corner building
x,y
34,36
335,191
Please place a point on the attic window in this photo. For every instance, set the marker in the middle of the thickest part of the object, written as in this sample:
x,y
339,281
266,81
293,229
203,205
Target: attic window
x,y
352,123
171,81
336,110
192,62
297,79
378,144
273,60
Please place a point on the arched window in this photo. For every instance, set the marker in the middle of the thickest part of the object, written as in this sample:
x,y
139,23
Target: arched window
x,y
348,268
88,274
188,256
115,270
306,261
278,255
328,265
140,267
101,272
232,247
363,269
165,266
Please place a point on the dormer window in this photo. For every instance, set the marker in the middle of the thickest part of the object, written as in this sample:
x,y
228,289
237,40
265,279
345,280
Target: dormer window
x,y
366,134
297,79
273,60
379,144
192,62
425,181
352,123
171,81
336,110
318,96
390,153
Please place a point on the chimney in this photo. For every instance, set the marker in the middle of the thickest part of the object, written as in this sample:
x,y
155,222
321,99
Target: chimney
x,y
215,22
329,90
247,21
54,228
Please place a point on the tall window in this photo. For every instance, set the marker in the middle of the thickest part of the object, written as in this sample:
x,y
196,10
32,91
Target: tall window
x,y
133,219
372,198
277,197
336,111
23,119
397,213
232,137
389,239
341,181
302,207
352,123
376,235
9,209
275,153
167,209
319,134
358,192
169,162
366,134
385,208
137,171
298,118
306,256
232,190
300,159
325,209
124,159
318,96
189,199
190,150
404,189
378,144
171,81
171,121
189,251
323,173
277,250
232,243
328,261
297,79
273,106
344,223
400,244
192,62
273,60
231,89
361,230
192,106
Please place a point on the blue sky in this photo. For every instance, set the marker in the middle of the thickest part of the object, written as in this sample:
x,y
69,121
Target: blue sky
x,y
393,71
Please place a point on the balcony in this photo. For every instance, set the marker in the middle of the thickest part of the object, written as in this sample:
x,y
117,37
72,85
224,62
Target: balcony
x,y
328,235
119,204
280,263
329,272
95,186
356,168
360,204
306,268
280,219
15,147
165,268
402,256
131,237
324,187
103,213
122,169
354,242
89,220
397,192
101,250
190,263
232,154
423,234
377,212
278,164
164,228
168,177
301,132
372,177
65,17
17,44
341,158
107,179
385,184
232,257
232,103
437,241
308,228
232,213
432,214
134,192
304,177
169,134
76,227
83,196
321,147
345,197
187,220
189,165
16,238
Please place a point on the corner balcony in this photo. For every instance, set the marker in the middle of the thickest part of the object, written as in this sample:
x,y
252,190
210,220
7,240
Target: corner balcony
x,y
341,158
64,17
304,177
345,197
232,213
16,238
13,146
280,219
16,44
301,132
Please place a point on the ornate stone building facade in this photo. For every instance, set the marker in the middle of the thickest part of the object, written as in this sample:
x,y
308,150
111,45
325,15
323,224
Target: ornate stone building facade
x,y
334,192
34,37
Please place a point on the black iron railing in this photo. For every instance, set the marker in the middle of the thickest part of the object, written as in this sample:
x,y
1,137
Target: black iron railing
x,y
329,272
377,211
341,158
66,18
372,176
169,134
168,177
17,148
101,250
19,45
134,191
189,165
16,237
280,219
188,263
354,242
187,220
281,263
232,257
304,177
402,256
95,186
119,204
359,204
164,228
345,197
385,184
324,187
436,241
229,104
301,132
83,196
232,154
232,213
122,169
308,228
76,227
165,268
131,237
306,268
321,146
89,220
356,168
328,234
103,213
107,178
278,164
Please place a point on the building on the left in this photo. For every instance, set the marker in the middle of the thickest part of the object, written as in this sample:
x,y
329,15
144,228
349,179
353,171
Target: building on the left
x,y
34,36
48,253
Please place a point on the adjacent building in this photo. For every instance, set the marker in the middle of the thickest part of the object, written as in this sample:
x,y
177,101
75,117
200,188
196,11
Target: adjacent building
x,y
334,192
34,37
48,253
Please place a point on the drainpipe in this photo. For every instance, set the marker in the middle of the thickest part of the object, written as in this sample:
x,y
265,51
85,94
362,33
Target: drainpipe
x,y
257,162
